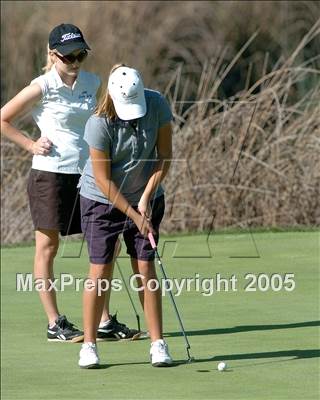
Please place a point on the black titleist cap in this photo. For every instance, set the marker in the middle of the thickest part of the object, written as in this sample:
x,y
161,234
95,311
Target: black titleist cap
x,y
67,38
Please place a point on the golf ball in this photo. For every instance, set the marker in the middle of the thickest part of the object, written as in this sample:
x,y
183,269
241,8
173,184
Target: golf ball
x,y
222,366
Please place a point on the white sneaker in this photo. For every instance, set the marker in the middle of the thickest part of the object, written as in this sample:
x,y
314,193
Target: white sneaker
x,y
89,356
159,354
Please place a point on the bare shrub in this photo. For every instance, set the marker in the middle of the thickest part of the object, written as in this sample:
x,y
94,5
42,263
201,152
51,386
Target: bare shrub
x,y
252,159
246,127
155,36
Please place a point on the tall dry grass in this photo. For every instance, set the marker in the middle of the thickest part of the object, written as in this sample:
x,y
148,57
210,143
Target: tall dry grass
x,y
245,98
156,36
250,160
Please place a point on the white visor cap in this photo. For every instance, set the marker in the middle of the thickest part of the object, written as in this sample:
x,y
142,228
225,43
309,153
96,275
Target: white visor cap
x,y
127,92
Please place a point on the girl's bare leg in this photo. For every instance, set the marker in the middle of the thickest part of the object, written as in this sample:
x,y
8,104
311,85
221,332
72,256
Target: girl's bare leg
x,y
93,301
152,301
105,312
47,244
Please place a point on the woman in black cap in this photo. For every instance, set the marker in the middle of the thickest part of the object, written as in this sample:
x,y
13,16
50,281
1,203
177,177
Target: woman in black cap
x,y
61,101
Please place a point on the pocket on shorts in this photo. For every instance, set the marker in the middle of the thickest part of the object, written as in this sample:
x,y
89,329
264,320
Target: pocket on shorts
x,y
92,210
39,182
87,207
33,175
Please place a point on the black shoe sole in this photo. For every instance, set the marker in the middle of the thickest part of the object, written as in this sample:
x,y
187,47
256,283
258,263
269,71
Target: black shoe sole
x,y
91,366
76,339
80,338
114,339
161,364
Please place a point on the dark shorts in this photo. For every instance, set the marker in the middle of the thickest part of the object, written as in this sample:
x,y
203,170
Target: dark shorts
x,y
103,223
54,201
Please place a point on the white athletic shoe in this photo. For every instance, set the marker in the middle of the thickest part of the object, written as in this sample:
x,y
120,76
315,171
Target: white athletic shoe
x,y
159,354
89,356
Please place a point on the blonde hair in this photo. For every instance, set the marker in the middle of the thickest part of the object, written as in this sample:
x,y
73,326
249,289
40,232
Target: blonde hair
x,y
50,60
105,104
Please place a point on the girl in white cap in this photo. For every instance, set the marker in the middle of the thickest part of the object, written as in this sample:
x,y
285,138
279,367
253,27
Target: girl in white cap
x,y
129,138
61,102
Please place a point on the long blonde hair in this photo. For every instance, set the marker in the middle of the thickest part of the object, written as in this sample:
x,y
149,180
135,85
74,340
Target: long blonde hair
x,y
105,104
50,60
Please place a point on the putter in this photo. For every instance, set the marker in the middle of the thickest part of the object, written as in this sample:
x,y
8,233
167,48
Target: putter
x,y
132,303
154,246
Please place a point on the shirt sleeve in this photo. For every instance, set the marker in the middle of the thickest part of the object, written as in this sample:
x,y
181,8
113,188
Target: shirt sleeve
x,y
43,83
165,114
96,134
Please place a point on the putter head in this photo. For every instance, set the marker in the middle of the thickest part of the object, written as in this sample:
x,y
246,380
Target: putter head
x,y
191,359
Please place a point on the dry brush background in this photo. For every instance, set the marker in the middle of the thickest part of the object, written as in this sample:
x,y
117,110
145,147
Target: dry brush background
x,y
243,82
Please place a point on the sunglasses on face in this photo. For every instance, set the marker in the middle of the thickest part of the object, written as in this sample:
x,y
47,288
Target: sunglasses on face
x,y
71,58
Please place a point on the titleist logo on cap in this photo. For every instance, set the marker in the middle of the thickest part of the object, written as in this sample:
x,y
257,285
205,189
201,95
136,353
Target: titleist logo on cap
x,y
69,36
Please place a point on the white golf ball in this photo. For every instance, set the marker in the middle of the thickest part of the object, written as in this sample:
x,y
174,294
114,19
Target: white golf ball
x,y
222,366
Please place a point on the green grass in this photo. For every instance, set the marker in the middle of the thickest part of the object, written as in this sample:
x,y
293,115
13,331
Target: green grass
x,y
270,340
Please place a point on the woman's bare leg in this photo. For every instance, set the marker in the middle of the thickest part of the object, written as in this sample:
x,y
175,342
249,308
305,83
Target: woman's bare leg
x,y
93,301
152,301
105,312
47,244
135,269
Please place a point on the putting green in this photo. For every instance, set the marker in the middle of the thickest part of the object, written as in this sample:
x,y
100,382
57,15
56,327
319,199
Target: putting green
x,y
269,337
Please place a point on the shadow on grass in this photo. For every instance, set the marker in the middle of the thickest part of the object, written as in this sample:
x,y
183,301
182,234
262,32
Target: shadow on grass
x,y
268,358
106,366
294,354
243,328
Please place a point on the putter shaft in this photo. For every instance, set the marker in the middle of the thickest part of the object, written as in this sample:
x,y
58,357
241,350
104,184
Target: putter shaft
x,y
154,246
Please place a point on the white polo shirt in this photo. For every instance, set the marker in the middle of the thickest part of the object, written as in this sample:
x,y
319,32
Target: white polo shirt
x,y
61,115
